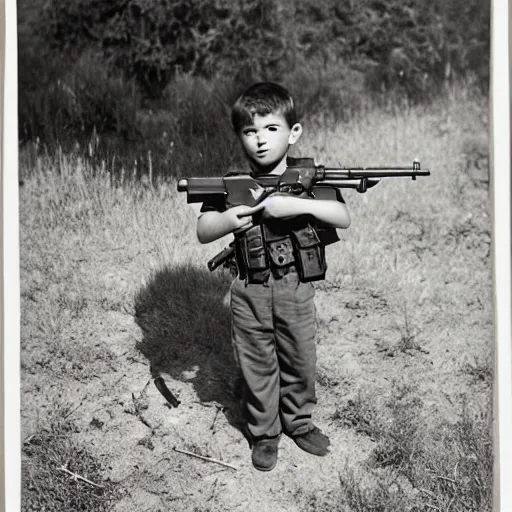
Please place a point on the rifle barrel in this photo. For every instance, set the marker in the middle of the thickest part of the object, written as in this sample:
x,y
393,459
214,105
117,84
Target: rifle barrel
x,y
333,173
410,169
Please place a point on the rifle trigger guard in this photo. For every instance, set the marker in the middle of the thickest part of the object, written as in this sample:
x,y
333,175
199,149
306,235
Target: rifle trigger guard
x,y
296,188
363,185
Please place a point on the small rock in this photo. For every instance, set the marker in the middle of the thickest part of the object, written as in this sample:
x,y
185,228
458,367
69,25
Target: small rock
x,y
96,423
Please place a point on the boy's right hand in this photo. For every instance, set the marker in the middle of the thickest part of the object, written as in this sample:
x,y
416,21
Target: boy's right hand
x,y
240,217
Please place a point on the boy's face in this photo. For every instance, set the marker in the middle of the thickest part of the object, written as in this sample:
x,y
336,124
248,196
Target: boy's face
x,y
266,140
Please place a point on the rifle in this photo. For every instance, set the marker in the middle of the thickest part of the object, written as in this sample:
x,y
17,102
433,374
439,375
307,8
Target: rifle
x,y
297,178
303,175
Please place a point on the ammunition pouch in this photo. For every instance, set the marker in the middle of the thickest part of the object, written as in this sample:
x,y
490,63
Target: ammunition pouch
x,y
309,254
280,249
254,255
259,252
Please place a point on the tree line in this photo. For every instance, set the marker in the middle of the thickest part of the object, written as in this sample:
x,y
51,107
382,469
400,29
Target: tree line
x,y
89,65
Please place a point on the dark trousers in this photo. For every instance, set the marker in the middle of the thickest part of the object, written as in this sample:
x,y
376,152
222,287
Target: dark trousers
x,y
273,332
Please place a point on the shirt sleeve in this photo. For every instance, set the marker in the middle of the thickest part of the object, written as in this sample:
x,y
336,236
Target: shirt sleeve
x,y
218,203
328,235
214,205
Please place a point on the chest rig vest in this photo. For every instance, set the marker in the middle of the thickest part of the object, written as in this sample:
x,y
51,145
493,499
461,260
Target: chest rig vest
x,y
277,246
261,251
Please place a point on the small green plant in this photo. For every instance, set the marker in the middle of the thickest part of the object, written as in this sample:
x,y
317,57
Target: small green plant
x,y
408,334
379,493
397,430
360,414
407,342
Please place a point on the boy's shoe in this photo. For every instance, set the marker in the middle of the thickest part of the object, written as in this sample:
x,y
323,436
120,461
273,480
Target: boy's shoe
x,y
314,442
264,453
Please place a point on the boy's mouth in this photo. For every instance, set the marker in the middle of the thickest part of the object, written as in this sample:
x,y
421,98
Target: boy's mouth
x,y
262,152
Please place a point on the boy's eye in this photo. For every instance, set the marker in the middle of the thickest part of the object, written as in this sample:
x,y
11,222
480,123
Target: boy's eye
x,y
272,128
249,132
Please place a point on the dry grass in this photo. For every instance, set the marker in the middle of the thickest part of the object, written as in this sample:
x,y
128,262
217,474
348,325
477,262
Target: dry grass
x,y
60,475
410,281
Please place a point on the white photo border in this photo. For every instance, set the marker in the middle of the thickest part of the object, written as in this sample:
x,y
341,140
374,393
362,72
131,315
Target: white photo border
x,y
10,462
502,261
10,493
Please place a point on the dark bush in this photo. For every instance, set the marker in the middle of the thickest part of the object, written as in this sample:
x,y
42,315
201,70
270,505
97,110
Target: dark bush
x,y
153,40
73,103
411,47
191,131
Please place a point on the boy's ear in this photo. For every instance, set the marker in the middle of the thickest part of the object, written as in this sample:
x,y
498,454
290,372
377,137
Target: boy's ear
x,y
295,133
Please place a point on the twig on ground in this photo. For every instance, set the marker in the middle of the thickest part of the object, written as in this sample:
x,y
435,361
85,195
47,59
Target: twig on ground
x,y
202,404
431,506
139,414
207,459
428,493
447,479
215,417
138,408
29,438
120,379
69,413
212,495
132,359
145,387
455,470
76,476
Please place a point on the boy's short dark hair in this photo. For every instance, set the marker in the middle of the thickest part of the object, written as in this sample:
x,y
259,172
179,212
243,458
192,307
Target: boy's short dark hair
x,y
262,98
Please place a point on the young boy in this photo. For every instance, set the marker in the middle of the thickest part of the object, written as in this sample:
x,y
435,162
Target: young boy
x,y
272,299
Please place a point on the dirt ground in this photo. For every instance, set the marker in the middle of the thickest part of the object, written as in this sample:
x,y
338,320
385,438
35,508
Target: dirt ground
x,y
125,422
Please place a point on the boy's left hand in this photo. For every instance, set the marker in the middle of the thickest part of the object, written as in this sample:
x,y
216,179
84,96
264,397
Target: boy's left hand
x,y
278,205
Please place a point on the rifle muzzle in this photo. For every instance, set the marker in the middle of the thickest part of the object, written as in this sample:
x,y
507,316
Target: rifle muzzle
x,y
183,185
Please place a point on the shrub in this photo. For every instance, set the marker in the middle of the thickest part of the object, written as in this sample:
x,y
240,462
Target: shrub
x,y
409,48
91,68
151,41
75,103
412,48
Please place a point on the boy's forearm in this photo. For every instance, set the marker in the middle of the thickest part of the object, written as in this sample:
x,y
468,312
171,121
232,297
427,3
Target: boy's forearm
x,y
328,212
212,226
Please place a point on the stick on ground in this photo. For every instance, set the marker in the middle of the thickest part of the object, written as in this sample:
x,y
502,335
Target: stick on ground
x,y
75,476
207,459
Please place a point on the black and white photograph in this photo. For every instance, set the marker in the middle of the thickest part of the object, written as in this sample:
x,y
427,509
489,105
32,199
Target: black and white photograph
x,y
256,256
